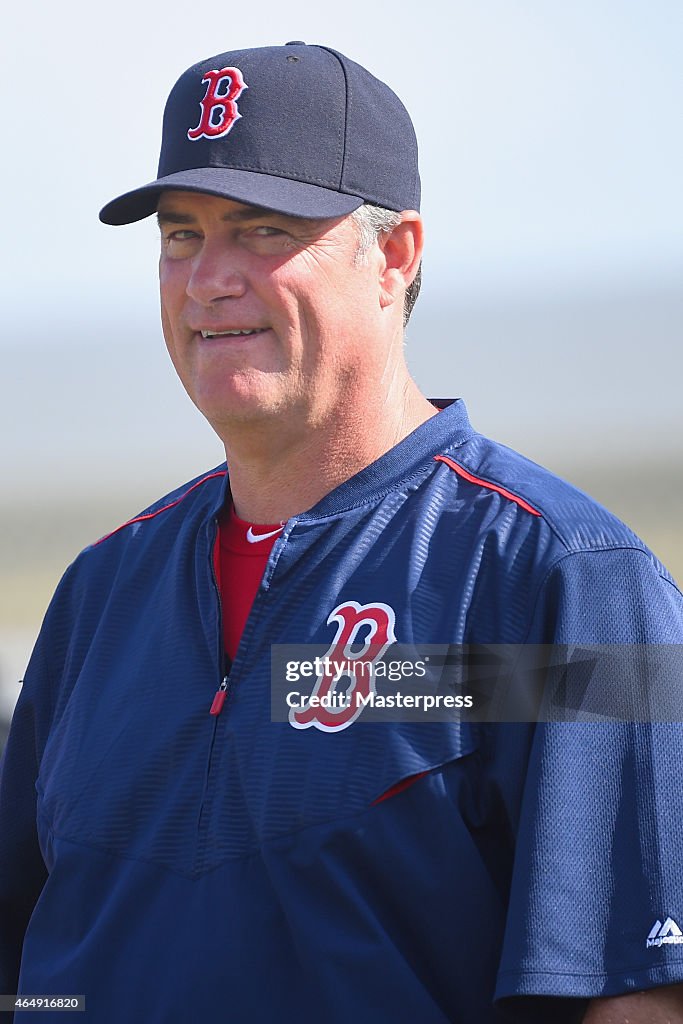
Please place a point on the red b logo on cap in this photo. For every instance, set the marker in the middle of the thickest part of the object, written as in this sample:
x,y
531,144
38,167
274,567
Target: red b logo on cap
x,y
219,109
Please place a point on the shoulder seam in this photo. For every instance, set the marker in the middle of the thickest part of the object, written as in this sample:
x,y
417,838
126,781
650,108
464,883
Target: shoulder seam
x,y
671,581
547,517
584,551
488,484
151,515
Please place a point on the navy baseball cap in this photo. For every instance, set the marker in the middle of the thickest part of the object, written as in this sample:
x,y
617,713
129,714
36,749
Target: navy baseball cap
x,y
298,129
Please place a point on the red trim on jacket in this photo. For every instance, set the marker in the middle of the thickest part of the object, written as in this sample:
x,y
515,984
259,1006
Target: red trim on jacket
x,y
487,483
172,504
399,787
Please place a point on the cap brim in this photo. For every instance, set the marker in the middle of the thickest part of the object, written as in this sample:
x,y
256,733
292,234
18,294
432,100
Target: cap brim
x,y
294,198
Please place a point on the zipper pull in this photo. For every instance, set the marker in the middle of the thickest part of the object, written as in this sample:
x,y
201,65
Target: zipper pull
x,y
219,697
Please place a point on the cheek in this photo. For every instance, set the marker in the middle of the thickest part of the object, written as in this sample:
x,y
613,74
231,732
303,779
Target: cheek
x,y
172,285
171,297
166,326
171,347
308,297
170,323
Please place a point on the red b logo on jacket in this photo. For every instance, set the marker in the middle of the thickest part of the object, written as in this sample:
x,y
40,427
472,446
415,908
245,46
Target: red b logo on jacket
x,y
219,109
333,704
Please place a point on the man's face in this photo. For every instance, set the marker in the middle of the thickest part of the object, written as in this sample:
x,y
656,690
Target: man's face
x,y
263,314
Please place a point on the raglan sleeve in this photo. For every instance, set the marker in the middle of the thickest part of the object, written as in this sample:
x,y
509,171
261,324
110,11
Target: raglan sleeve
x,y
596,904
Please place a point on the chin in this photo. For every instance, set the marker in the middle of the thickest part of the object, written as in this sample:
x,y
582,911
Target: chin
x,y
238,406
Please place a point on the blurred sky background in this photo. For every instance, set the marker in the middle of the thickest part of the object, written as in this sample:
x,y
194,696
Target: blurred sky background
x,y
552,162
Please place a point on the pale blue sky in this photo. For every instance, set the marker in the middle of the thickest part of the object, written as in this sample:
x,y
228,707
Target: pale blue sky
x,y
550,134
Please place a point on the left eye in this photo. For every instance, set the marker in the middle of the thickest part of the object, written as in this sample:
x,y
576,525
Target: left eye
x,y
265,229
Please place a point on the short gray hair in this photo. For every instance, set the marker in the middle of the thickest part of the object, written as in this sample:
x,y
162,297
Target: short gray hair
x,y
371,222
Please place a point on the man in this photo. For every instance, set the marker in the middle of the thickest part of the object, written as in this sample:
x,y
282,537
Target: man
x,y
187,857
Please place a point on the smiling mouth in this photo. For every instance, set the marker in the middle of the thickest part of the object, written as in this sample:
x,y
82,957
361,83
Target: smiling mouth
x,y
232,334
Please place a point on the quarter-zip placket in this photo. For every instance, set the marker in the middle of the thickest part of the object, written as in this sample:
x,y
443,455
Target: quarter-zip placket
x,y
222,691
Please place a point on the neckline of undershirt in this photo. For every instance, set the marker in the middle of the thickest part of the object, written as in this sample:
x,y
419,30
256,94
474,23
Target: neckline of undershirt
x,y
244,538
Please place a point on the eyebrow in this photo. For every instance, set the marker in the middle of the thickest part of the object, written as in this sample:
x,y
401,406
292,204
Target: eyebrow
x,y
246,213
171,216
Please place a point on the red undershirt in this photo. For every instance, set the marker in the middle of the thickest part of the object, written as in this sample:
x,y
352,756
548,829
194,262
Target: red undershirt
x,y
239,561
239,564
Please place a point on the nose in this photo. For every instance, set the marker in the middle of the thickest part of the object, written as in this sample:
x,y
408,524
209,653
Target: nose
x,y
216,274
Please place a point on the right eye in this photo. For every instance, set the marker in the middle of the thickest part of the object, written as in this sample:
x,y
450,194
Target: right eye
x,y
182,235
179,243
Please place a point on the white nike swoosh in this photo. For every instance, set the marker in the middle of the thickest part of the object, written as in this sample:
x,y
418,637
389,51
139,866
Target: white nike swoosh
x,y
255,538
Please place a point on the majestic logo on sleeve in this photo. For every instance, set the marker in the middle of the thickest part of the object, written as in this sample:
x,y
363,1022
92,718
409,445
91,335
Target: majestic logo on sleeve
x,y
667,934
346,681
219,106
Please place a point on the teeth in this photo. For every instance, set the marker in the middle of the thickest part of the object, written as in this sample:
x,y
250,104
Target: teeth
x,y
222,334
